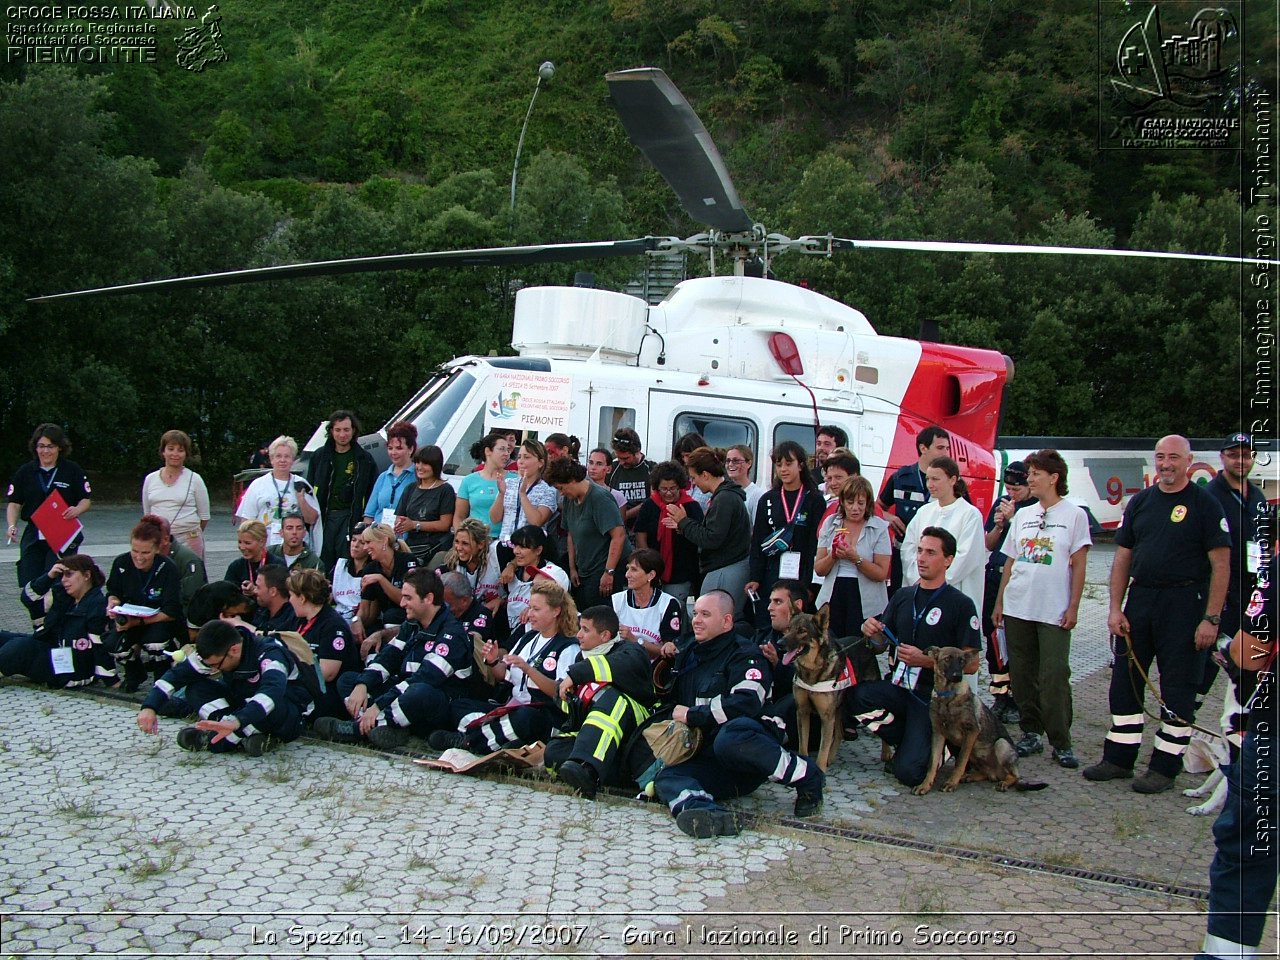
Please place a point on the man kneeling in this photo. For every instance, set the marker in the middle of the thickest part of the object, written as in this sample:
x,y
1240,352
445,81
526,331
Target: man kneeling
x,y
244,686
720,684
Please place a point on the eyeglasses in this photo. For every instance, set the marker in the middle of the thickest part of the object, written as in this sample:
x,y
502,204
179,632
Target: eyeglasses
x,y
734,461
46,446
209,662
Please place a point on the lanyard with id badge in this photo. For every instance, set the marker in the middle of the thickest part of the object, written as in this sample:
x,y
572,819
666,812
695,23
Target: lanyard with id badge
x,y
780,542
903,675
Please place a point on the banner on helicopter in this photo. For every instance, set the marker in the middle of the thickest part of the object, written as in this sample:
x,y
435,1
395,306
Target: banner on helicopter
x,y
529,400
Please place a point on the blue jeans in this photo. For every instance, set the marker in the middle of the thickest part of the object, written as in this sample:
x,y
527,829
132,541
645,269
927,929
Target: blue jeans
x,y
1242,877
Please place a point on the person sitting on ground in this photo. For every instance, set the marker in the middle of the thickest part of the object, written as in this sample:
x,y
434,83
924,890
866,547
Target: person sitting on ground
x,y
721,681
528,542
539,660
647,614
933,613
473,557
190,565
477,620
66,651
292,548
407,688
328,635
246,688
345,582
786,599
271,594
669,481
608,694
143,578
389,563
251,541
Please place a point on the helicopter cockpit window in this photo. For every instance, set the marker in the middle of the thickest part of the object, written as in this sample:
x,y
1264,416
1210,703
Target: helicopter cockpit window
x,y
435,417
458,460
718,431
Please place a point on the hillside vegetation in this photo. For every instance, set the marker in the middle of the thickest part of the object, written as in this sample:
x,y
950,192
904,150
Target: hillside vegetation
x,y
339,129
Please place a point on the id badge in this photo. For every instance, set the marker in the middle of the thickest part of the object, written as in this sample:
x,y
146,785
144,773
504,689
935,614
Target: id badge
x,y
1253,555
62,662
388,517
273,533
789,566
904,676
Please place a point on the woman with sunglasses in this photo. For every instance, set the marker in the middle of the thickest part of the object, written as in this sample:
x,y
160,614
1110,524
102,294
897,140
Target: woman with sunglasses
x,y
67,651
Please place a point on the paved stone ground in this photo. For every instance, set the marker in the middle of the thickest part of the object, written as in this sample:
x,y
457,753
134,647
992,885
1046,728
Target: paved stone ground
x,y
114,842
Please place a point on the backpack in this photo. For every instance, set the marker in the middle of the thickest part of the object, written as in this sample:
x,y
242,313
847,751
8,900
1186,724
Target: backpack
x,y
308,667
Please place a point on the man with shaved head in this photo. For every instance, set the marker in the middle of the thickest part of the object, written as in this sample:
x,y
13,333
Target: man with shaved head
x,y
1172,559
721,686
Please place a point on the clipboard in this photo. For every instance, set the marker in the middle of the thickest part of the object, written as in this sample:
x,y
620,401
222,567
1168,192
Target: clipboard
x,y
59,533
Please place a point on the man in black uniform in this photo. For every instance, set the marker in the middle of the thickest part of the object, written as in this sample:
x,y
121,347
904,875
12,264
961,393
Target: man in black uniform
x,y
1242,878
413,679
342,473
721,680
1174,542
32,484
997,528
271,590
245,687
931,614
905,492
1245,508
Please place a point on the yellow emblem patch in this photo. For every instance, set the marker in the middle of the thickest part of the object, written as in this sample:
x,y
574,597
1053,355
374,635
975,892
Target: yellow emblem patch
x,y
1179,514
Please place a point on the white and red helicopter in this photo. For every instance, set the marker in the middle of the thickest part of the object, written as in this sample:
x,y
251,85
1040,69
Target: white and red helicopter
x,y
740,359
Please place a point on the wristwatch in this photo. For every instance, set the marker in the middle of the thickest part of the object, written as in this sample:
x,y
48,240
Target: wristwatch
x,y
1212,618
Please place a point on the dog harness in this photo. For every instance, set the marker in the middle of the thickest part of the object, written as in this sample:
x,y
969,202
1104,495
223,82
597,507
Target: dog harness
x,y
846,680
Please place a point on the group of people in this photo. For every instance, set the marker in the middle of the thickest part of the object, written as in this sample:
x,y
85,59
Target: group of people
x,y
544,600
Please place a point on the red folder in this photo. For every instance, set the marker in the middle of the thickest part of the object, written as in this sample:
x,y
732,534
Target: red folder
x,y
49,521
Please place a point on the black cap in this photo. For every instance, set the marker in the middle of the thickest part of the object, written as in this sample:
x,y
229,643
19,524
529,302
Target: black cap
x,y
1236,440
1016,473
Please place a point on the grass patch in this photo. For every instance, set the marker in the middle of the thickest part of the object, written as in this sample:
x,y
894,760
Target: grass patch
x,y
924,900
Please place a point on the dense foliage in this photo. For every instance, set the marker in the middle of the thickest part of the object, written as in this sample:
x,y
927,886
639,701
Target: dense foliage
x,y
339,129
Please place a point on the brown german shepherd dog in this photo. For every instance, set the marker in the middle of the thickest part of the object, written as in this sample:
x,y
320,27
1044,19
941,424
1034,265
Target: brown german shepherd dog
x,y
820,683
964,724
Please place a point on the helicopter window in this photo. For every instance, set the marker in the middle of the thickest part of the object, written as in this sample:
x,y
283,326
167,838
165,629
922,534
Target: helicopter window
x,y
611,419
413,408
432,419
718,431
801,433
866,374
458,460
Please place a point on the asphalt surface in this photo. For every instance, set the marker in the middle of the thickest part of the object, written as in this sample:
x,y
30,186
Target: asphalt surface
x,y
113,842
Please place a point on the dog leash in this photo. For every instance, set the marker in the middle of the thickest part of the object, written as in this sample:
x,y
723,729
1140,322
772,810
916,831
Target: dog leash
x,y
1133,659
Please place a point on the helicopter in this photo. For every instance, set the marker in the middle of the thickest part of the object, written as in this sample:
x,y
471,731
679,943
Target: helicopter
x,y
739,358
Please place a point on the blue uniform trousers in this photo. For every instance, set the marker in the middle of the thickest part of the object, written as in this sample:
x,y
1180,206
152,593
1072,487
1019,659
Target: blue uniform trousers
x,y
901,719
213,700
1162,626
1242,878
422,708
524,725
745,754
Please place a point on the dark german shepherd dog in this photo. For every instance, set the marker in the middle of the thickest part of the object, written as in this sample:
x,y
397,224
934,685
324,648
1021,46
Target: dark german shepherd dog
x,y
823,674
964,724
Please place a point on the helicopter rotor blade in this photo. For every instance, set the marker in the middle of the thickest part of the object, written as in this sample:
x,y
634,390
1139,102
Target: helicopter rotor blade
x,y
941,246
481,257
662,125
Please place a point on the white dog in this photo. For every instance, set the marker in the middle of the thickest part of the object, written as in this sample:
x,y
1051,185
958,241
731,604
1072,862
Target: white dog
x,y
1206,754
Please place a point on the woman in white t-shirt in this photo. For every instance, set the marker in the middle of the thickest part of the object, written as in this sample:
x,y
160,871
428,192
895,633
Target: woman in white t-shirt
x,y
178,493
346,582
275,495
949,510
1039,603
646,614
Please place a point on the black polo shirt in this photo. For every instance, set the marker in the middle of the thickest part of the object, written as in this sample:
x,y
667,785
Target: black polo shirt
x,y
943,617
1171,535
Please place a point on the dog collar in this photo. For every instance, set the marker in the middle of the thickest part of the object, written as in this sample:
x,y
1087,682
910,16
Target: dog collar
x,y
943,694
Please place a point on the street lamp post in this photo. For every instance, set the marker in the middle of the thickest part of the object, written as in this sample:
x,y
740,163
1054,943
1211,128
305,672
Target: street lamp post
x,y
545,72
